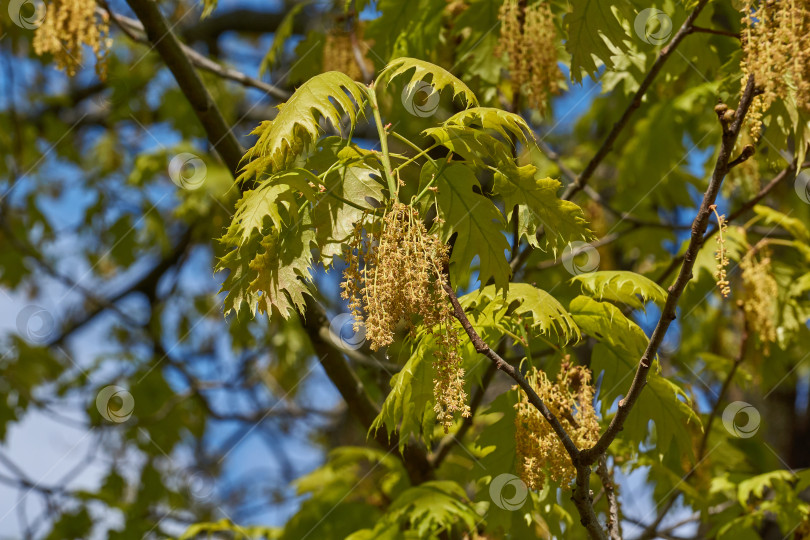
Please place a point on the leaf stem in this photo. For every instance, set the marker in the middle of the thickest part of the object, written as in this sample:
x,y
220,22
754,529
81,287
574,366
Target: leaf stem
x,y
417,156
432,180
386,161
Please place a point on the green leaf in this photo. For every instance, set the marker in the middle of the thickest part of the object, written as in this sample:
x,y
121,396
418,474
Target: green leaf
x,y
431,507
776,218
538,205
409,406
351,187
608,324
440,78
546,314
755,486
594,34
474,145
623,286
275,196
505,123
268,272
477,224
621,344
281,140
668,406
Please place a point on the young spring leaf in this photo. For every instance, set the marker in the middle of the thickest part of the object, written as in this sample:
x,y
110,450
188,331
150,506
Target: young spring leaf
x,y
297,125
440,78
539,206
477,224
623,286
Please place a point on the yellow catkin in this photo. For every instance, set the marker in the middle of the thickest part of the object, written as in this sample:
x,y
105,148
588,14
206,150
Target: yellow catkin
x,y
395,274
539,451
528,38
775,54
67,27
761,293
721,255
339,54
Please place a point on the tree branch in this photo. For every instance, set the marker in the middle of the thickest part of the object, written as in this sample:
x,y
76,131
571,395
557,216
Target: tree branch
x,y
170,49
686,29
351,389
749,204
135,31
582,494
614,524
729,138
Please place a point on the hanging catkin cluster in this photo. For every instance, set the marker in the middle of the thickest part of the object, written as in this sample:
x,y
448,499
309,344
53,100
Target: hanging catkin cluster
x,y
67,27
394,274
721,255
539,450
528,38
343,50
775,53
761,292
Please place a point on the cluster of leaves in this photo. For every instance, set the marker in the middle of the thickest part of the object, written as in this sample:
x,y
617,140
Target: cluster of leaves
x,y
301,192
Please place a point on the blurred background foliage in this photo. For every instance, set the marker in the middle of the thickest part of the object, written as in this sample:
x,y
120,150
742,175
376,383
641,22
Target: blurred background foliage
x,y
258,427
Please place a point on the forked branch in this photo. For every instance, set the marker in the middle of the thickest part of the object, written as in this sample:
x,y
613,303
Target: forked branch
x,y
731,130
582,495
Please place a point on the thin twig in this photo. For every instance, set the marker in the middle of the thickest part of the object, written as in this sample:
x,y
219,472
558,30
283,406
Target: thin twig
x,y
135,31
582,494
621,123
730,133
614,524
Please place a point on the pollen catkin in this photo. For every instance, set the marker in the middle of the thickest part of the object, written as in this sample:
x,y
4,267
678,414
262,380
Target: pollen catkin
x,y
68,25
395,274
539,450
774,54
528,38
339,54
721,255
761,292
